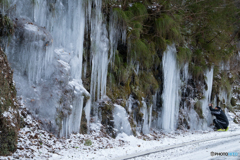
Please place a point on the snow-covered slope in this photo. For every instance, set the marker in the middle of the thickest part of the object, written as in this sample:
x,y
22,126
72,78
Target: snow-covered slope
x,y
35,143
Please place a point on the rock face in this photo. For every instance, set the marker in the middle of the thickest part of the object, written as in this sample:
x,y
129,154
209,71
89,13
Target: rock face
x,y
9,116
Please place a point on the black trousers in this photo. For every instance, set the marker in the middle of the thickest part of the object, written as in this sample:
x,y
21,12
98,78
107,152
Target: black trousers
x,y
220,124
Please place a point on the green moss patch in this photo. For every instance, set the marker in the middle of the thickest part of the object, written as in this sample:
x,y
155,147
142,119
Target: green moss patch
x,y
198,109
10,121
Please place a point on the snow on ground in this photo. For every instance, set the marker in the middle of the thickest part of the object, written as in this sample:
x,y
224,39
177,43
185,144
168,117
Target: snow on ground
x,y
34,143
200,151
10,116
138,144
228,146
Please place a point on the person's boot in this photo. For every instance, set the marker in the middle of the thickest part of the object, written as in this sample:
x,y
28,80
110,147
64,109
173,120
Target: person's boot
x,y
227,129
221,130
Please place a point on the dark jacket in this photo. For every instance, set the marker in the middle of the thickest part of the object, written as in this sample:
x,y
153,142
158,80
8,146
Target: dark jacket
x,y
220,115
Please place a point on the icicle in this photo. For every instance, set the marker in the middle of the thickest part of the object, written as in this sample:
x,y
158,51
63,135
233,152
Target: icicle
x,y
223,96
154,122
170,90
87,112
150,117
207,94
116,33
85,70
144,110
99,52
185,73
130,103
100,46
155,101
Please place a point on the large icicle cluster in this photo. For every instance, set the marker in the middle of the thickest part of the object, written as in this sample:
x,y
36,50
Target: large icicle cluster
x,y
47,53
104,39
207,94
170,94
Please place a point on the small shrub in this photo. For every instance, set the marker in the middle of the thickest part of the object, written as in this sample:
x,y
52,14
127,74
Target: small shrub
x,y
88,142
184,55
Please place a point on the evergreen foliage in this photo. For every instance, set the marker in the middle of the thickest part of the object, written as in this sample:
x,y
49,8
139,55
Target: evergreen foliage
x,y
4,3
205,33
6,26
184,55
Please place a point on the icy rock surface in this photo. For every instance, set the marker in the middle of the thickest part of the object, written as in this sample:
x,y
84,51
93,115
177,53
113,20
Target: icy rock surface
x,y
29,49
46,55
121,122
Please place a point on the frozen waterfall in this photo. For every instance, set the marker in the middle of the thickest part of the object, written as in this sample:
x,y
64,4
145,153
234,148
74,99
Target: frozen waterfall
x,y
46,53
104,40
171,88
52,40
99,52
207,94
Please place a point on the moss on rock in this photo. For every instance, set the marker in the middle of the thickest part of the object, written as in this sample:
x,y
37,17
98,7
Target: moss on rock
x,y
198,109
84,128
9,116
233,101
106,111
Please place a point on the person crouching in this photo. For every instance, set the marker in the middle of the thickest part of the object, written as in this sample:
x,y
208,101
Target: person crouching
x,y
221,121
